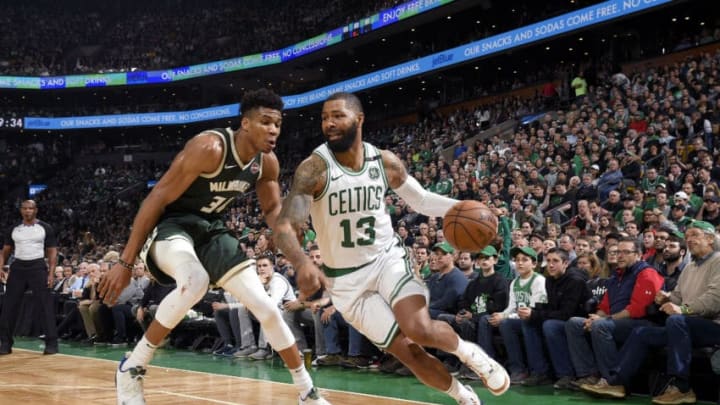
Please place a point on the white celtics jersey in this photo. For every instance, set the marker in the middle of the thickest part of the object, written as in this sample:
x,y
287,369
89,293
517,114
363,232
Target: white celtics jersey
x,y
349,216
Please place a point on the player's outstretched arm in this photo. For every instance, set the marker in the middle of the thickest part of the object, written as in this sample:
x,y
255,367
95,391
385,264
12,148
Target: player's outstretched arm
x,y
411,191
202,154
309,180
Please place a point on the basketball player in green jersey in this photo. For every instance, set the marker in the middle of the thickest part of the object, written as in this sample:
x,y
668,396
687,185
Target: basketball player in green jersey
x,y
180,233
342,186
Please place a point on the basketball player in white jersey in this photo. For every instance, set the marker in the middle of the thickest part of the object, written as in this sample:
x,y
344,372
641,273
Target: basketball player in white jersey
x,y
342,185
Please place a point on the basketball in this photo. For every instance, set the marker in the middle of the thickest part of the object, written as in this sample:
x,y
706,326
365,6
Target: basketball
x,y
470,226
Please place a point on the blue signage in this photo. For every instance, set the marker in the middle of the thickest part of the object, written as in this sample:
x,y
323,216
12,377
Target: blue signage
x,y
563,24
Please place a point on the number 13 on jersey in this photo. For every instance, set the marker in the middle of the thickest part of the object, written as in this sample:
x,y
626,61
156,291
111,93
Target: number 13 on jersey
x,y
367,224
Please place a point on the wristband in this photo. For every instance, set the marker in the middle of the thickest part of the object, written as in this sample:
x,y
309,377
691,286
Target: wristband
x,y
126,264
685,309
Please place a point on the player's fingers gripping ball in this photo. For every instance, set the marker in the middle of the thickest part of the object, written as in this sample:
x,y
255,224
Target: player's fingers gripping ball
x,y
470,226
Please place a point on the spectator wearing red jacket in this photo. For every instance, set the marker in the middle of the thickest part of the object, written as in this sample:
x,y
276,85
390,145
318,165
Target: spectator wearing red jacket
x,y
630,290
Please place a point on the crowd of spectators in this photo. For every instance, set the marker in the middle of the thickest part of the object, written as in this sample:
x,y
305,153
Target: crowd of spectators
x,y
42,38
626,158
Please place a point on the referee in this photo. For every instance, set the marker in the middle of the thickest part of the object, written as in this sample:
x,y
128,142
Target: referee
x,y
32,240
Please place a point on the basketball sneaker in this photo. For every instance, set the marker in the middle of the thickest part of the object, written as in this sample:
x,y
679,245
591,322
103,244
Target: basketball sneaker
x,y
312,398
492,374
474,400
129,384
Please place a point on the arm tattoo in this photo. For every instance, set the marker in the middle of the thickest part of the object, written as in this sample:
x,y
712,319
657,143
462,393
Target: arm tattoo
x,y
296,207
394,168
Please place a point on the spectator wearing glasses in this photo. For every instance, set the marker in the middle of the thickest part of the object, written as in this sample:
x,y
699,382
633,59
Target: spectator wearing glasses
x,y
710,210
679,217
694,311
630,289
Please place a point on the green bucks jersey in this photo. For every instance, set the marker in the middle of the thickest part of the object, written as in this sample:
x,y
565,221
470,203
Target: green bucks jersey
x,y
352,225
211,193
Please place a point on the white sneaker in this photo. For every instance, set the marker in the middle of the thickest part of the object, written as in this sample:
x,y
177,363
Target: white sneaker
x,y
312,398
474,400
245,352
491,373
261,354
129,384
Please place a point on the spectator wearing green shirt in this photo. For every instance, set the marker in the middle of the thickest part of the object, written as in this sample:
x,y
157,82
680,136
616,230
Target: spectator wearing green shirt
x,y
629,204
482,171
308,234
695,200
651,180
579,84
421,265
444,186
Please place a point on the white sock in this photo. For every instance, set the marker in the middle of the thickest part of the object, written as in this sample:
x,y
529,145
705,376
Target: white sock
x,y
464,350
141,355
458,391
302,380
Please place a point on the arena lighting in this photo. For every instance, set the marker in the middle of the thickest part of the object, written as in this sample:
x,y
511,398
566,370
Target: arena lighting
x,y
563,24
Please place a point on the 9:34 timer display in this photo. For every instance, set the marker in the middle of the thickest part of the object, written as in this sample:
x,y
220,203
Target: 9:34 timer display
x,y
11,122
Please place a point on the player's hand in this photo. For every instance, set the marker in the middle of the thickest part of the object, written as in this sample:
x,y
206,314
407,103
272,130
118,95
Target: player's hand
x,y
309,280
115,280
51,279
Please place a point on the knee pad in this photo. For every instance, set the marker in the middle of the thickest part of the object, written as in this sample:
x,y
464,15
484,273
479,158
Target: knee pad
x,y
192,284
192,281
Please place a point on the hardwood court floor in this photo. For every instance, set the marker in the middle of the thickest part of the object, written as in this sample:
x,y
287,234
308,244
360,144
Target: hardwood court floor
x,y
84,375
28,377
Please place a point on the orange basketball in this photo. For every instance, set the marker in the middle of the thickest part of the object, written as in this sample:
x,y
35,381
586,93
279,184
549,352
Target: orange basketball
x,y
470,226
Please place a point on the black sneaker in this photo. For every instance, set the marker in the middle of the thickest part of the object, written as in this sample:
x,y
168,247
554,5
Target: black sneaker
x,y
101,341
390,365
452,366
467,374
355,362
224,351
330,360
564,383
118,342
51,347
90,340
537,379
5,349
404,371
